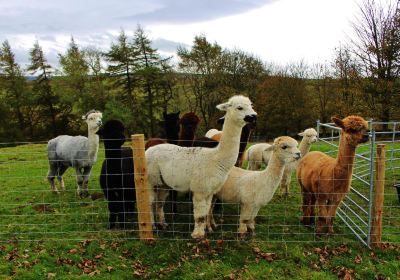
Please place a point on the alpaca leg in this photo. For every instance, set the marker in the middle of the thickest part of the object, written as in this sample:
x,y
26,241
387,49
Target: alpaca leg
x,y
251,225
322,215
85,182
331,216
201,207
113,211
306,208
162,195
244,219
312,208
79,180
51,176
60,172
211,225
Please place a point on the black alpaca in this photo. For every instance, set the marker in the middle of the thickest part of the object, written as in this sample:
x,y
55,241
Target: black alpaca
x,y
117,178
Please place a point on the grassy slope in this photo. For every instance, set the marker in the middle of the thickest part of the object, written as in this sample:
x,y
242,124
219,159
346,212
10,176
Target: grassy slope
x,y
47,235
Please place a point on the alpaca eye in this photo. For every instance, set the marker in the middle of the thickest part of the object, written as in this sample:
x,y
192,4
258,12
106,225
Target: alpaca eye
x,y
284,147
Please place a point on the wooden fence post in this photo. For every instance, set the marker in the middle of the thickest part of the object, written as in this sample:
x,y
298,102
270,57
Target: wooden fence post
x,y
376,229
142,191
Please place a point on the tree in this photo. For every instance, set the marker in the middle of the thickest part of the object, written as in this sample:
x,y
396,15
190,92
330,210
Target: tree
x,y
14,84
122,64
75,69
376,49
42,86
201,66
148,73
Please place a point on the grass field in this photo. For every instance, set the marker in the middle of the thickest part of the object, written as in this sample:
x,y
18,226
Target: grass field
x,y
45,235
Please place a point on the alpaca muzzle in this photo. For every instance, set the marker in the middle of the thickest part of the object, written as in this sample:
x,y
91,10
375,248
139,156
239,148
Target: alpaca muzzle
x,y
250,118
297,156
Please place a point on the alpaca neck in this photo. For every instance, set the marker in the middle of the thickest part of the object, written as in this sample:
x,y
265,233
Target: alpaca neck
x,y
172,137
304,147
345,158
186,137
272,175
228,147
93,141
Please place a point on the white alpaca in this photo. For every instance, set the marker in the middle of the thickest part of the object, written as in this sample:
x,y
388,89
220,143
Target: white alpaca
x,y
199,170
254,189
212,132
79,152
260,154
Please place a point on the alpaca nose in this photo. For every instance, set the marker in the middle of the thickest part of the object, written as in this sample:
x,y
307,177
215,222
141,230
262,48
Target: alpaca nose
x,y
250,118
99,123
298,155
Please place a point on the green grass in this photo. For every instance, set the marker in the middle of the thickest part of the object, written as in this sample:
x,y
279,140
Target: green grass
x,y
60,236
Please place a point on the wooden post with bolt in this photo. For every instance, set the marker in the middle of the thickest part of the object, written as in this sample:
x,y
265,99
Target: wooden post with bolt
x,y
142,191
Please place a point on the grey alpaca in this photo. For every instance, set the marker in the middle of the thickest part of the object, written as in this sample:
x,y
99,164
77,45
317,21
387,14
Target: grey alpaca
x,y
79,152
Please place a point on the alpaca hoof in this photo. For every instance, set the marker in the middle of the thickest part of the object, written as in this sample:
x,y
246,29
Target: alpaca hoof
x,y
198,235
83,194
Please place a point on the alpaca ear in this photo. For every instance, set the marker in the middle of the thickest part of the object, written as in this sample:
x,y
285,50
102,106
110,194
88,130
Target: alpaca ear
x,y
301,134
338,122
223,106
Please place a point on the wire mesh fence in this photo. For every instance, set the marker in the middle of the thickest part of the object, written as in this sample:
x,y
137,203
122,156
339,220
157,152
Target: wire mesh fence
x,y
31,211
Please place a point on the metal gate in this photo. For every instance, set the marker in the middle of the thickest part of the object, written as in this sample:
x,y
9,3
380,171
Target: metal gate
x,y
356,208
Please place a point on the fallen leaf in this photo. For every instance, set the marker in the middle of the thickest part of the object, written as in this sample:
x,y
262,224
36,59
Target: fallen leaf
x,y
358,259
109,268
51,275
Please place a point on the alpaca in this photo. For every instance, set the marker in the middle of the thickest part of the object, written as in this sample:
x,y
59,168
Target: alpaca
x,y
254,189
188,122
78,152
215,134
117,175
171,126
199,170
259,153
325,180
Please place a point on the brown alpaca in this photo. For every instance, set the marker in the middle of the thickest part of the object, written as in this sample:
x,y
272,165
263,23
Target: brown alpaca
x,y
325,180
188,122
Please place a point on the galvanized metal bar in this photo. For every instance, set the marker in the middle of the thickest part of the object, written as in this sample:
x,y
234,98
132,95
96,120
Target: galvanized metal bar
x,y
355,214
358,206
371,184
355,233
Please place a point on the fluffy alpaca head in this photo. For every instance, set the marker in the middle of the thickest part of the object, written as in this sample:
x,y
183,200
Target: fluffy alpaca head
x,y
285,148
310,135
113,133
354,129
93,120
239,109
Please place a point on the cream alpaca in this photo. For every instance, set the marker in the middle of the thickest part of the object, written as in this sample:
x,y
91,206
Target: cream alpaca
x,y
260,154
254,189
199,170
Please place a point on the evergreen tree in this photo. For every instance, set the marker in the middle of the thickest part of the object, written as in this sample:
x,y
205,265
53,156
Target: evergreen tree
x,y
148,73
122,64
76,70
14,84
42,85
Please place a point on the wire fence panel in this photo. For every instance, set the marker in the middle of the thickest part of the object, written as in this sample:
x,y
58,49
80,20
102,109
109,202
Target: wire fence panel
x,y
31,211
356,209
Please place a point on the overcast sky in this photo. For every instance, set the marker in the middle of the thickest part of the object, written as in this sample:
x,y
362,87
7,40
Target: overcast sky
x,y
279,31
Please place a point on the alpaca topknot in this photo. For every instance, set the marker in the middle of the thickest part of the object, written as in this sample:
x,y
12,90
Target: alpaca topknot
x,y
355,122
189,118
